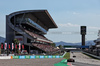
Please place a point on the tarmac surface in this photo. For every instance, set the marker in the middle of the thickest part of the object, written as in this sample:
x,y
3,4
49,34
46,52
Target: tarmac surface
x,y
29,62
83,64
84,60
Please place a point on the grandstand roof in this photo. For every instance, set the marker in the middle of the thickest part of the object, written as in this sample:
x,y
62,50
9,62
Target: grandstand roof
x,y
42,15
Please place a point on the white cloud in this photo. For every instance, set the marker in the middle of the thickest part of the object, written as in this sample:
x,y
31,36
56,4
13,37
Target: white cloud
x,y
76,25
68,25
94,27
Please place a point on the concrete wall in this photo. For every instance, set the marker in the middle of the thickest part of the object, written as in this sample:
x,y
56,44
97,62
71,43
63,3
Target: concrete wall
x,y
9,32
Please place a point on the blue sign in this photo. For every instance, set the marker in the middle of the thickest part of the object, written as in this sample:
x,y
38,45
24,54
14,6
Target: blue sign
x,y
21,57
32,57
49,56
57,56
41,56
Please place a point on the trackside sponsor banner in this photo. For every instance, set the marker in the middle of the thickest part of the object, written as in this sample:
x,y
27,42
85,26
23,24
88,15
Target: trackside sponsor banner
x,y
41,56
32,57
35,57
49,56
5,57
45,56
21,57
61,56
27,57
53,56
57,56
15,57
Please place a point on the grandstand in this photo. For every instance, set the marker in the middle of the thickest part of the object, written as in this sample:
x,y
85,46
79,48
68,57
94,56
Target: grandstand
x,y
29,27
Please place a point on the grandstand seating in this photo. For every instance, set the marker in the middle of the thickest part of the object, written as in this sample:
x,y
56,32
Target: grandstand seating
x,y
46,48
35,35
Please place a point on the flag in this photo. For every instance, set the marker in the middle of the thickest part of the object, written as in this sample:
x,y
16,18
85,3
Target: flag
x,y
23,47
12,46
19,46
16,46
5,46
9,46
1,46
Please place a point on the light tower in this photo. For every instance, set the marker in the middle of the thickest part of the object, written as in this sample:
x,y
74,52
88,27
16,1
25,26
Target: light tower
x,y
83,33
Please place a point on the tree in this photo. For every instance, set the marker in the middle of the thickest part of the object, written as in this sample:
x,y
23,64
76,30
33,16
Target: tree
x,y
16,42
60,46
53,44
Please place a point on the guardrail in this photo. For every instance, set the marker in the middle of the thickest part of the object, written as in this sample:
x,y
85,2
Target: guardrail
x,y
98,57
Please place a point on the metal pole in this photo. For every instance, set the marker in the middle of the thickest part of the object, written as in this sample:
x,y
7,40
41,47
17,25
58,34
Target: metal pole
x,y
29,49
83,39
97,52
7,49
15,49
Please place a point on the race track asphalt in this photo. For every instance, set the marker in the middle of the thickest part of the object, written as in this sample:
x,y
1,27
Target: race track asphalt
x,y
29,62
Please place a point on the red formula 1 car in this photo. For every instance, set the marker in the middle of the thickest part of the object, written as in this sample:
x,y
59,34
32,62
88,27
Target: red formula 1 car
x,y
70,60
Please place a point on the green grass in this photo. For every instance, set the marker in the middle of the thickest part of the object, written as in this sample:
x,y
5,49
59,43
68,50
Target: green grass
x,y
56,54
67,55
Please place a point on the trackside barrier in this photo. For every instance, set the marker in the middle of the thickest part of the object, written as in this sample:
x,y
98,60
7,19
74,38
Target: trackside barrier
x,y
32,57
91,55
5,57
35,57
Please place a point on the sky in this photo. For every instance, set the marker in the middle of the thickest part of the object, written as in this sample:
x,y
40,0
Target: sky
x,y
69,15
